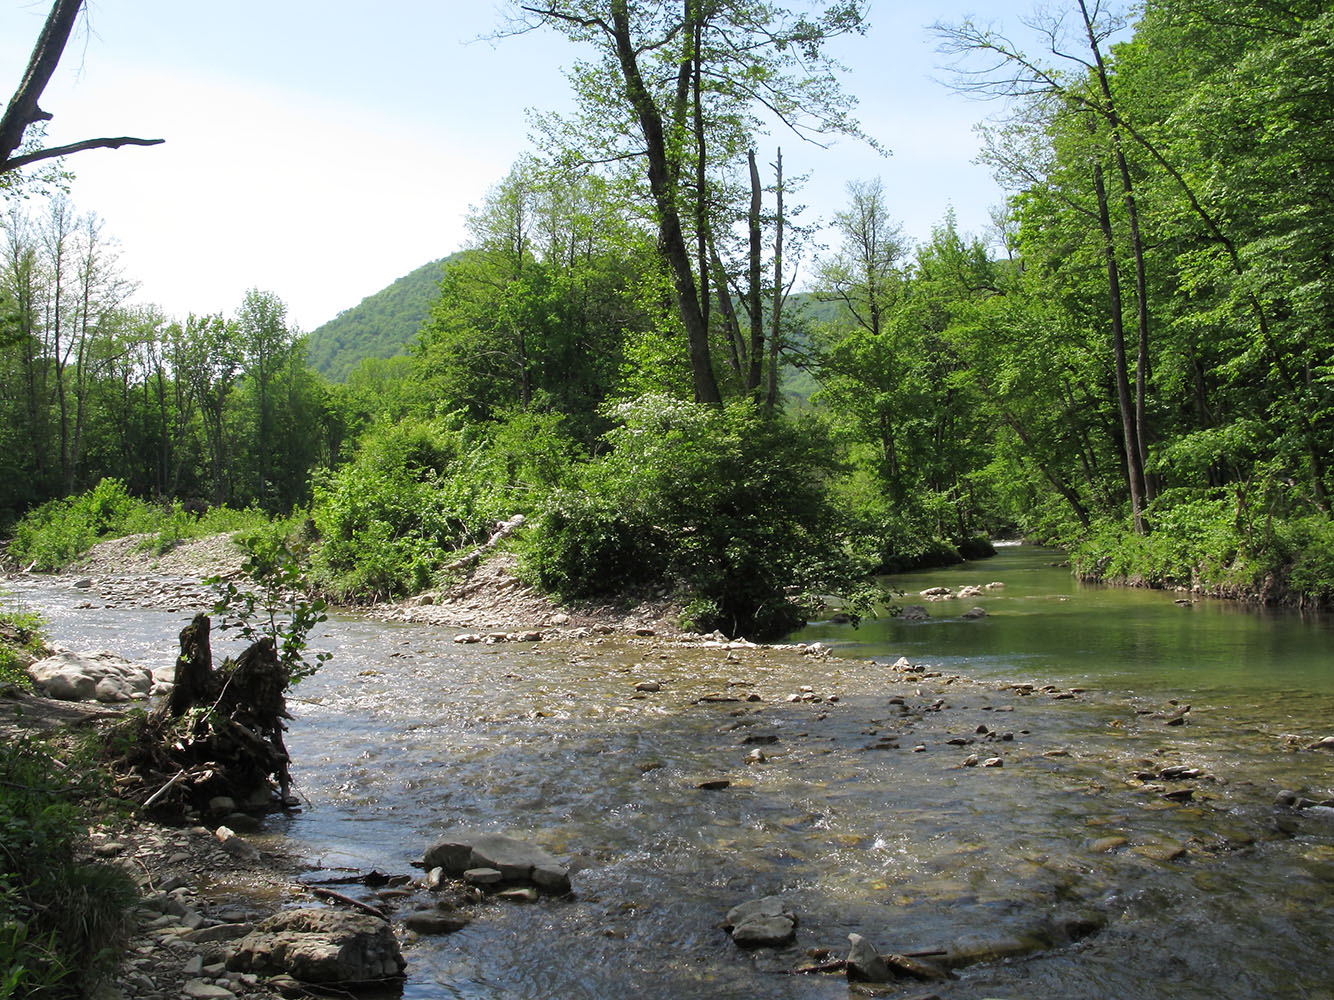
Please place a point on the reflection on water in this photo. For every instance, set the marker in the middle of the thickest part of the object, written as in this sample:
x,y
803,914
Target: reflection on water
x,y
405,734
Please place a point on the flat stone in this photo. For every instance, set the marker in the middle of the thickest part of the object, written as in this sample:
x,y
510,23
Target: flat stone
x,y
435,922
201,989
765,931
483,876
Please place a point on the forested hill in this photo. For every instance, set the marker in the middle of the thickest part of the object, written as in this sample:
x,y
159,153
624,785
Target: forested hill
x,y
380,326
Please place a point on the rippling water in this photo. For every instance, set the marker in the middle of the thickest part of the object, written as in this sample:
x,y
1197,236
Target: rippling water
x,y
405,734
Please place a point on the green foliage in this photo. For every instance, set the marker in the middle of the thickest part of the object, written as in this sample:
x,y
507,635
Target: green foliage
x,y
1233,544
22,635
731,505
273,605
419,490
61,919
59,531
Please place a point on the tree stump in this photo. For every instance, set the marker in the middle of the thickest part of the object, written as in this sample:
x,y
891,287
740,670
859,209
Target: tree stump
x,y
219,733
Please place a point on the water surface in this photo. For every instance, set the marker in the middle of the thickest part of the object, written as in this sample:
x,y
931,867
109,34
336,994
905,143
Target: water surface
x,y
405,734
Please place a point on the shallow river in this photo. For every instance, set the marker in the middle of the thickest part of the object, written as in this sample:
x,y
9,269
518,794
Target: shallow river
x,y
863,817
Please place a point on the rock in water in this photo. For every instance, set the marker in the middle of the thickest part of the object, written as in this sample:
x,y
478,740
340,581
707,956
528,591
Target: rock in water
x,y
864,962
762,923
516,860
326,947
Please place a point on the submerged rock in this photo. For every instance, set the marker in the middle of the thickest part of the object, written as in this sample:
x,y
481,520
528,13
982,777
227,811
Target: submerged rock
x,y
513,859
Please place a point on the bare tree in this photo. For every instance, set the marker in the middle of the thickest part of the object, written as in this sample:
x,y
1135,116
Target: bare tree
x,y
23,110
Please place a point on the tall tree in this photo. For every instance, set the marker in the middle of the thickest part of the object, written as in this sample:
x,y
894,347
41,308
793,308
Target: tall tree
x,y
675,85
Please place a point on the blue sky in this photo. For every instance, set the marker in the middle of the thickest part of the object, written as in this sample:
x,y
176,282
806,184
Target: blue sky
x,y
321,150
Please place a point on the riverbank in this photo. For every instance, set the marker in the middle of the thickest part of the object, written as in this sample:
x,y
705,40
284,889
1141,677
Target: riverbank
x,y
1208,552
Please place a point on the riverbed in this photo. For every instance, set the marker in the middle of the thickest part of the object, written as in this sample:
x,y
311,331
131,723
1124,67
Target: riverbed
x,y
849,791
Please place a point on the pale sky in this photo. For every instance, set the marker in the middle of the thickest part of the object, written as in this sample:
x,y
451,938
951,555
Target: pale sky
x,y
321,150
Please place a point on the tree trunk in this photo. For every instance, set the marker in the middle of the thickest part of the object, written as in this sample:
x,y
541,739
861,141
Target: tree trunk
x,y
1134,470
754,295
671,239
771,398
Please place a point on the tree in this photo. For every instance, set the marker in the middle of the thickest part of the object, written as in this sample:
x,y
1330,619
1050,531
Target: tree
x,y
680,87
23,112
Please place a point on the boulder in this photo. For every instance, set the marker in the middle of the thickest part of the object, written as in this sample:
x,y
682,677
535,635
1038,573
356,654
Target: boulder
x,y
101,676
914,613
320,946
762,923
515,860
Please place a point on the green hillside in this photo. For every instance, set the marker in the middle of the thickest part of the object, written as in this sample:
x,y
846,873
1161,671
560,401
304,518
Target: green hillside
x,y
380,326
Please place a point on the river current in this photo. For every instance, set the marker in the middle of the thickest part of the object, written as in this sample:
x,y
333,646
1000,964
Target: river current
x,y
863,814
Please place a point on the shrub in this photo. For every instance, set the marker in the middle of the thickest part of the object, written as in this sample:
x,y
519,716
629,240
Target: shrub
x,y
55,534
419,490
730,504
61,919
21,637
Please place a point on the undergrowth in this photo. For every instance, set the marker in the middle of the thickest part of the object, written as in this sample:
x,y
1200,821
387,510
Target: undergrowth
x,y
63,917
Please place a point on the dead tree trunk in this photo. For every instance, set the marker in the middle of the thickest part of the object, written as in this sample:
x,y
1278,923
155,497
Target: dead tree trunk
x,y
219,733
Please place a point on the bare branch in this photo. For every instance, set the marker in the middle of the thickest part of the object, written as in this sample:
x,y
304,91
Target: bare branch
x,y
14,163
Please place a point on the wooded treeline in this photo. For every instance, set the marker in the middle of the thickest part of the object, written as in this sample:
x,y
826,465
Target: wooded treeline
x,y
1135,364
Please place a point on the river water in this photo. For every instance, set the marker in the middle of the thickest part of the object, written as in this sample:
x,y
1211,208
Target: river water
x,y
863,816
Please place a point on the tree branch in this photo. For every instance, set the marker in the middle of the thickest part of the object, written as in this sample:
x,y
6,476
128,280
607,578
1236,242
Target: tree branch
x,y
16,162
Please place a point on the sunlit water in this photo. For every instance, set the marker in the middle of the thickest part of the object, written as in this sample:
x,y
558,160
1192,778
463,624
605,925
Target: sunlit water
x,y
405,734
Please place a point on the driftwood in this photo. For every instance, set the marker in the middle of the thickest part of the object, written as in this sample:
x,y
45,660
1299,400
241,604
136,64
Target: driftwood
x,y
219,732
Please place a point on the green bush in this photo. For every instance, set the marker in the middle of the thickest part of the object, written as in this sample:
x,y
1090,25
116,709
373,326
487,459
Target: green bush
x,y
61,919
21,635
729,504
419,490
53,535
1230,544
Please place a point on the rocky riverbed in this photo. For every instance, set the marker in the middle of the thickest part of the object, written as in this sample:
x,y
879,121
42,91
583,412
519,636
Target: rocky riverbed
x,y
1030,839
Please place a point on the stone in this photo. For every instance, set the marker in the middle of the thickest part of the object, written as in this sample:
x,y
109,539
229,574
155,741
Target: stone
x,y
914,613
765,932
202,989
483,876
761,923
237,847
650,687
321,946
515,860
993,762
219,932
67,675
864,962
914,968
435,922
974,613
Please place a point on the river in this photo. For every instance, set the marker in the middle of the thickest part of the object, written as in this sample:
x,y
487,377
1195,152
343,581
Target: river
x,y
863,815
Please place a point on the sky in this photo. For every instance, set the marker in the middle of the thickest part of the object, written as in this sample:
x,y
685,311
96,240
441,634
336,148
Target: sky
x,y
320,150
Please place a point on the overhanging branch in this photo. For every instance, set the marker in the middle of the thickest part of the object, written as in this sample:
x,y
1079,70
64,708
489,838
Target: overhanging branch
x,y
14,163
